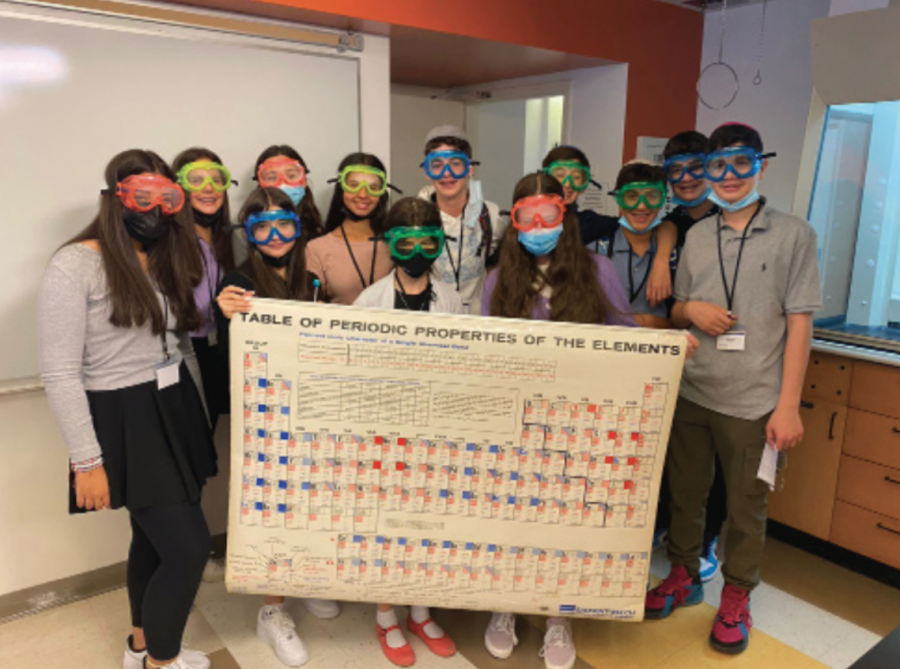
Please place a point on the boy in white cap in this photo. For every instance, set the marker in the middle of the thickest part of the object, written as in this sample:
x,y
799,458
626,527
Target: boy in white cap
x,y
474,227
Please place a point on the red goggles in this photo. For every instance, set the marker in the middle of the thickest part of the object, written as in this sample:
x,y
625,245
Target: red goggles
x,y
143,192
281,171
538,211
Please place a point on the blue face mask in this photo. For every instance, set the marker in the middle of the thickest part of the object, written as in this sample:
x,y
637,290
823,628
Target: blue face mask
x,y
623,221
751,198
296,193
693,203
540,243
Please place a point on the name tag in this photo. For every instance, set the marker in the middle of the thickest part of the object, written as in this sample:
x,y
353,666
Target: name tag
x,y
731,341
167,374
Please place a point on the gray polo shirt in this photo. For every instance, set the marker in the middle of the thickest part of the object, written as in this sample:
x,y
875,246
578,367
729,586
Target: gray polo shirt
x,y
779,275
640,266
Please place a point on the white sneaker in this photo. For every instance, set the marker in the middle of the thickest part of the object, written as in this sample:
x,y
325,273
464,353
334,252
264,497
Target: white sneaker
x,y
276,629
500,637
193,659
214,571
559,649
326,609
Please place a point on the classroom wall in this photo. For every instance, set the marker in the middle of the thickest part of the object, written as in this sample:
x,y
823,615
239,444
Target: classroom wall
x,y
660,42
779,106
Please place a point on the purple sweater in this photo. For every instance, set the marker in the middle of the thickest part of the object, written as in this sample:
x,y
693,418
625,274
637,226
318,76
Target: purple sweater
x,y
609,281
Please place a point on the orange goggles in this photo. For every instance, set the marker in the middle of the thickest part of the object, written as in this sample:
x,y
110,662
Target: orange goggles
x,y
143,192
538,211
281,171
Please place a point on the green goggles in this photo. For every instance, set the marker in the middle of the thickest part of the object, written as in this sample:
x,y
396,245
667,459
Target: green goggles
x,y
632,196
354,178
571,172
406,242
195,177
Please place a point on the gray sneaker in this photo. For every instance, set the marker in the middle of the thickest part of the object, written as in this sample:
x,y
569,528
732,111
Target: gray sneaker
x,y
559,649
500,636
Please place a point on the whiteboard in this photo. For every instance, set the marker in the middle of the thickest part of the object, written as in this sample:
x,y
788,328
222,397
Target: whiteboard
x,y
77,89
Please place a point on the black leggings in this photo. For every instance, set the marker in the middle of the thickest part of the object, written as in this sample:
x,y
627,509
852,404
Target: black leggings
x,y
169,549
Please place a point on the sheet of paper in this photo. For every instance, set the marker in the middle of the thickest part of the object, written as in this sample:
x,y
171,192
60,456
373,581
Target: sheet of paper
x,y
768,466
462,462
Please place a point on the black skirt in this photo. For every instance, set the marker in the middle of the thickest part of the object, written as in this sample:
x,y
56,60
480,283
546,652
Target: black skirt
x,y
157,447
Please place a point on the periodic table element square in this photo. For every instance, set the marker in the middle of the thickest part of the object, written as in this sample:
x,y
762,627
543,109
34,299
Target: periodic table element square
x,y
526,569
536,411
648,445
256,365
655,395
347,447
278,392
559,414
578,464
254,391
485,456
606,418
371,449
629,419
506,459
416,452
584,416
533,437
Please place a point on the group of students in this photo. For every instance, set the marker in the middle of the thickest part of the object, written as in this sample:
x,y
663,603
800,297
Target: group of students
x,y
134,314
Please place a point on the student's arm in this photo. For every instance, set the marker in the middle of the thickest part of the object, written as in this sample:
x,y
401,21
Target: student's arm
x,y
651,321
235,291
659,286
785,429
708,317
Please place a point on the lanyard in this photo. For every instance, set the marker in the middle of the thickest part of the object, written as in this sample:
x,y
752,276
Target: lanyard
x,y
456,268
403,296
729,293
632,293
362,279
211,286
162,336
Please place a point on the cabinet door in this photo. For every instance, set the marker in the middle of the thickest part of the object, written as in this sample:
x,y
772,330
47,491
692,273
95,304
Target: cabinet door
x,y
811,473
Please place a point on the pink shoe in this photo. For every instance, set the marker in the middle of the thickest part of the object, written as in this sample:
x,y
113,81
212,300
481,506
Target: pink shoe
x,y
442,646
677,590
731,631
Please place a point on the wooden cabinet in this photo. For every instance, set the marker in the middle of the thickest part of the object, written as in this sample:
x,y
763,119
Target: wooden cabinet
x,y
876,389
870,486
811,474
873,438
828,378
863,531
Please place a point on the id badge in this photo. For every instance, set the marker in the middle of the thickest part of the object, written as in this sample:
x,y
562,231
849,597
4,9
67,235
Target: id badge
x,y
735,340
213,337
167,374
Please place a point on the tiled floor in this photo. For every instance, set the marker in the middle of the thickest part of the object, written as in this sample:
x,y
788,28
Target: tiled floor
x,y
809,614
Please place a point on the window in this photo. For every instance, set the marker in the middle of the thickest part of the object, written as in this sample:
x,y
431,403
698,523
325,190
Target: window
x,y
855,209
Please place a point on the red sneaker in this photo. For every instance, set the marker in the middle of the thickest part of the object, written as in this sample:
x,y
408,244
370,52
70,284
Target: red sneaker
x,y
731,631
443,646
404,656
676,591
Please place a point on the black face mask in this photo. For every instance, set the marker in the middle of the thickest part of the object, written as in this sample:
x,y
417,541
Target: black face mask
x,y
415,266
146,227
356,218
205,220
277,262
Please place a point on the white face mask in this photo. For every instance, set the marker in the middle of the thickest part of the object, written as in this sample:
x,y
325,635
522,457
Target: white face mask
x,y
751,198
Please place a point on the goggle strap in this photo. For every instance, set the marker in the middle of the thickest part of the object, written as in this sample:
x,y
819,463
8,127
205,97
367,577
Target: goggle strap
x,y
395,189
766,156
599,187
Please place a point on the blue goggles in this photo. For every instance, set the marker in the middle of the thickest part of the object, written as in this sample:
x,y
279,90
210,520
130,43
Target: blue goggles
x,y
678,167
438,164
263,227
742,161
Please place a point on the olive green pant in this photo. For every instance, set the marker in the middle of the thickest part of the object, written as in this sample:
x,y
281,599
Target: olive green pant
x,y
698,435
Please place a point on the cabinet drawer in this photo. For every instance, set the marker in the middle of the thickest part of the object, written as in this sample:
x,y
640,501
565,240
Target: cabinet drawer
x,y
876,388
872,437
870,486
828,378
866,533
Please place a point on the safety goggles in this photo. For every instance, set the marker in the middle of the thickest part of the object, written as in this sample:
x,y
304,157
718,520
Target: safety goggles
x,y
263,227
633,195
571,172
544,211
195,177
406,242
439,164
281,171
354,178
678,167
742,161
143,192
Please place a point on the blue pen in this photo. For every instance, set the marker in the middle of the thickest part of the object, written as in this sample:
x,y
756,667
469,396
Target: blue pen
x,y
316,284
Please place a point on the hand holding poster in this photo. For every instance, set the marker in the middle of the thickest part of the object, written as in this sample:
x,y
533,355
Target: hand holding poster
x,y
465,462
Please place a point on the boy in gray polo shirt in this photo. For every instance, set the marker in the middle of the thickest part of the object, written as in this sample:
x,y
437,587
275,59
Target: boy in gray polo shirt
x,y
747,286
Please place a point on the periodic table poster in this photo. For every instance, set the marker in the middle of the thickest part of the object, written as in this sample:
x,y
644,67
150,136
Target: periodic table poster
x,y
450,461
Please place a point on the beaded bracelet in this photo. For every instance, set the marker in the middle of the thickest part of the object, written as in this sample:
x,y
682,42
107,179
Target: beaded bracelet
x,y
87,465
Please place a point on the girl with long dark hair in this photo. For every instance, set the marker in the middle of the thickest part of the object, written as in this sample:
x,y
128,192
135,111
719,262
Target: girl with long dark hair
x,y
349,257
281,166
114,311
275,268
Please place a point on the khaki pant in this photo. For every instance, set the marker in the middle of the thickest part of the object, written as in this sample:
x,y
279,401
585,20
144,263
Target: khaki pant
x,y
698,435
